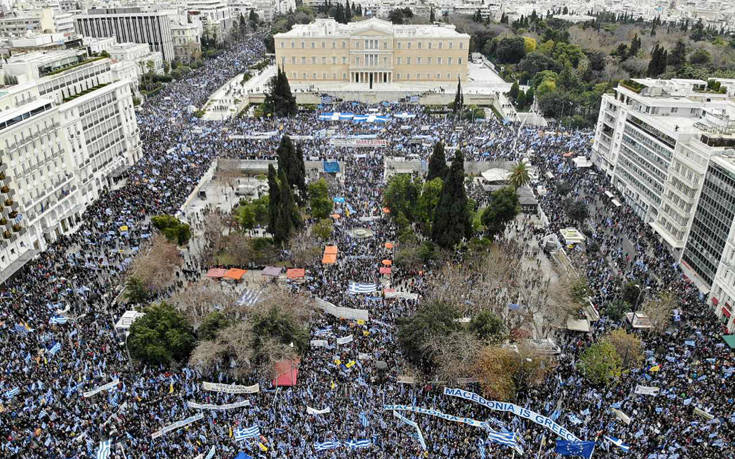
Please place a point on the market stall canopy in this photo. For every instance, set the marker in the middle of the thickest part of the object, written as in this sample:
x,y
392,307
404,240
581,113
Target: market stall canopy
x,y
295,273
580,325
127,319
271,271
331,249
638,320
582,162
216,273
730,340
388,245
387,262
234,273
286,372
384,270
572,236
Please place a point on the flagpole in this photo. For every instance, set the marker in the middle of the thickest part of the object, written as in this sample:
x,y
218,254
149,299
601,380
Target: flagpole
x,y
540,445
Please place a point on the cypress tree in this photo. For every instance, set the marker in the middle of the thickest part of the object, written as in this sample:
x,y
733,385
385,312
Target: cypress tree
x,y
291,161
300,171
437,163
432,16
458,98
279,100
451,217
274,194
287,219
348,12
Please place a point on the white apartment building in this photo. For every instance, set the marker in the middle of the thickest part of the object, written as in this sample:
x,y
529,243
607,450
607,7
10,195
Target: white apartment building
x,y
45,20
129,25
139,53
36,64
214,15
63,138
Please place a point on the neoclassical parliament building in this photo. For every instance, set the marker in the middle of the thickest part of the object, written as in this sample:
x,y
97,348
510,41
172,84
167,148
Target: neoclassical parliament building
x,y
372,52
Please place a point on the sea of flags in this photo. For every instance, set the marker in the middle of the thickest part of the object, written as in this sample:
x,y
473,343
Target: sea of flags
x,y
250,432
334,444
58,320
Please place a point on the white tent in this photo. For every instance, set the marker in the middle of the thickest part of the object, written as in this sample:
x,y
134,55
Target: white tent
x,y
580,325
127,319
572,236
638,320
582,162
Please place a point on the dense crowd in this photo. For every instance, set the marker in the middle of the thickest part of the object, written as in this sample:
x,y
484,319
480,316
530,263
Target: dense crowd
x,y
48,365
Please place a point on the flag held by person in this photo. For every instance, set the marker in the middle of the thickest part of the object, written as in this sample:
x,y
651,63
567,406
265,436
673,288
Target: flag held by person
x,y
575,448
618,442
323,446
506,438
250,432
105,449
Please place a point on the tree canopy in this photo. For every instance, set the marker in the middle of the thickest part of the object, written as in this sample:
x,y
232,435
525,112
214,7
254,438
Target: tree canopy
x,y
278,100
174,229
161,336
452,218
501,210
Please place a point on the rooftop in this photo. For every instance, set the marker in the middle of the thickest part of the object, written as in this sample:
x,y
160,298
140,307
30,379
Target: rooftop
x,y
328,27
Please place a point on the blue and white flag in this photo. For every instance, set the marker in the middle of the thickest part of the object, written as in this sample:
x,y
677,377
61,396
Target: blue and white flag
x,y
104,450
506,438
250,432
355,444
326,445
618,442
58,320
360,287
55,348
575,448
12,392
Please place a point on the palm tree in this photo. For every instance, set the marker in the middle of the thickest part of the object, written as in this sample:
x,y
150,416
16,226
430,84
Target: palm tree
x,y
519,176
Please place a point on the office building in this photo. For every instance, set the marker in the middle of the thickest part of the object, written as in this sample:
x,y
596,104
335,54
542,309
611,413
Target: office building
x,y
372,52
45,20
129,25
64,137
214,15
187,39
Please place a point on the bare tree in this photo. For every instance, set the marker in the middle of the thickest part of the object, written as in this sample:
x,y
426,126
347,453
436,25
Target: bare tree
x,y
305,249
198,300
455,355
659,310
156,268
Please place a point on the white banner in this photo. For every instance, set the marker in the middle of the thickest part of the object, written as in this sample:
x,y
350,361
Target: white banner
x,y
345,339
620,415
310,410
99,389
515,409
404,379
646,390
319,343
343,313
209,406
230,388
359,143
177,425
412,424
363,356
430,412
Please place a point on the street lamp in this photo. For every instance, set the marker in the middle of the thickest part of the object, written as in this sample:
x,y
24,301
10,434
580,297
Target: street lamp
x,y
640,293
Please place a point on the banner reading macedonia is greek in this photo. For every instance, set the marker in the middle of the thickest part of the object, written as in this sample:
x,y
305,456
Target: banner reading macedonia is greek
x,y
439,414
515,409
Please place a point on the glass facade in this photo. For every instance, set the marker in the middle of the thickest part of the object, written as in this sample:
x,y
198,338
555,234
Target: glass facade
x,y
712,221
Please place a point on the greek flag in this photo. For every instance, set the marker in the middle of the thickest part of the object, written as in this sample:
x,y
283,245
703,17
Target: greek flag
x,y
326,445
58,320
56,348
618,442
359,287
104,450
506,438
12,393
355,444
250,432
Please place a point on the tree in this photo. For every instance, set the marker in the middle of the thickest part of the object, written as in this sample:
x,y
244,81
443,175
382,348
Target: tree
x,y
156,268
162,336
616,309
458,98
348,12
432,16
274,196
536,62
700,57
635,46
323,229
135,291
510,50
278,100
427,202
171,227
503,372
251,214
600,363
452,218
657,64
282,325
321,205
417,332
291,161
514,90
401,196
519,176
212,323
576,210
628,346
501,210
437,163
488,327
287,218
659,310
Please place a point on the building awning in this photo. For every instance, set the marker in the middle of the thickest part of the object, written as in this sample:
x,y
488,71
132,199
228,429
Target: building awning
x,y
295,273
581,325
329,259
330,249
216,273
730,340
287,372
234,273
715,301
726,312
272,271
384,270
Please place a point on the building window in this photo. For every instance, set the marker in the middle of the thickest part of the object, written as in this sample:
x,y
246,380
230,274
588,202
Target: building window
x,y
398,60
429,45
367,44
293,59
324,44
451,44
439,60
385,62
324,76
313,60
429,61
408,45
408,61
459,60
385,44
418,60
344,59
334,59
324,59
449,60
419,45
344,44
399,45
313,75
334,44
302,44
440,44
461,45
303,60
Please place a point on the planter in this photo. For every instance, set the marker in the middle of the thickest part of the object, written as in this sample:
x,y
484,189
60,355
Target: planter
x,y
8,202
5,189
13,214
2,175
3,221
16,228
6,234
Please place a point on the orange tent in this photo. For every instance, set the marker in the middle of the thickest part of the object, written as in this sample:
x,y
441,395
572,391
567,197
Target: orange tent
x,y
388,245
384,270
216,273
329,259
332,249
386,210
295,273
387,262
335,216
234,273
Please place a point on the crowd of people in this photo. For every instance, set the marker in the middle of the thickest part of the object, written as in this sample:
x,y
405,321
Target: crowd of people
x,y
59,340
